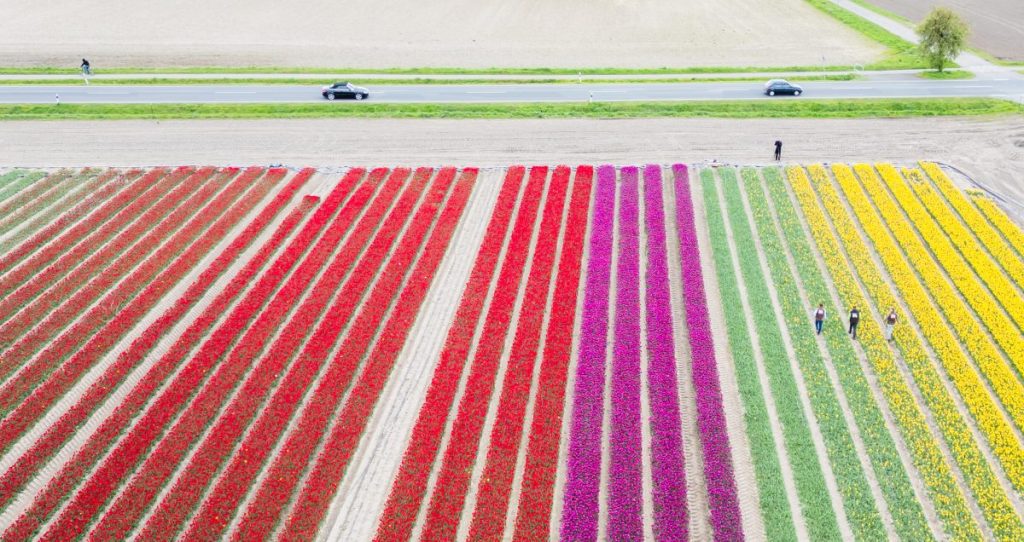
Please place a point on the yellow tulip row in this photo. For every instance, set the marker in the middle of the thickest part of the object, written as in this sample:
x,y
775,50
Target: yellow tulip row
x,y
1014,235
996,245
946,495
991,499
997,431
987,308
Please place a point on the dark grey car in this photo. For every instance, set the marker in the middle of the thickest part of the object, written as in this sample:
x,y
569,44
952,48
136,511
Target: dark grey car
x,y
344,90
781,86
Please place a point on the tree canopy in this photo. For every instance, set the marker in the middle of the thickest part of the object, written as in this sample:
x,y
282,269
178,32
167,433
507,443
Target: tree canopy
x,y
943,36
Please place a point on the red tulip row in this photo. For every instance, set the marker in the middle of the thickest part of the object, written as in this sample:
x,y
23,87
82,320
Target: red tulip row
x,y
87,502
44,447
325,475
453,480
82,239
117,255
112,321
125,303
96,186
496,482
534,515
27,196
408,490
46,200
219,444
160,462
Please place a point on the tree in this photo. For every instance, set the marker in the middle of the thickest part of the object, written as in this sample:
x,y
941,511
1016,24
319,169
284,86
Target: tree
x,y
943,36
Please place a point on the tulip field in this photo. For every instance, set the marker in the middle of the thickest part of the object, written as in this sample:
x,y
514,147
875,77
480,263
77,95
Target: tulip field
x,y
593,352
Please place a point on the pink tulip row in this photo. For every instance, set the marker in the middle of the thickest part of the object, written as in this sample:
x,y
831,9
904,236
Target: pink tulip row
x,y
44,447
409,488
192,368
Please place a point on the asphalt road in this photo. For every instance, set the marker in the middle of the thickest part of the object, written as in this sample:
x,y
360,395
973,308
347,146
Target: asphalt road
x,y
1002,88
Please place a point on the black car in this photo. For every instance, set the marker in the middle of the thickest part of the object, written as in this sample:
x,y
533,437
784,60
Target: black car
x,y
781,86
344,90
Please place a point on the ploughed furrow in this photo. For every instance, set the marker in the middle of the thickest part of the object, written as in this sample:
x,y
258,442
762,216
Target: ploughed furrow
x,y
171,448
218,445
28,202
127,302
13,181
449,495
199,365
580,509
57,434
120,311
409,487
95,187
275,492
496,481
51,246
44,316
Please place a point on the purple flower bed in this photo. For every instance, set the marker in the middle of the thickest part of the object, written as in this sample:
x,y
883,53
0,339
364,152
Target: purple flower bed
x,y
725,511
671,518
579,515
625,503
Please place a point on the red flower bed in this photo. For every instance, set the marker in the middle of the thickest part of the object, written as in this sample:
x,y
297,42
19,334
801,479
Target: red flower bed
x,y
453,480
275,491
84,237
408,489
496,482
110,262
199,365
218,445
326,473
96,207
171,447
536,495
44,447
124,305
121,320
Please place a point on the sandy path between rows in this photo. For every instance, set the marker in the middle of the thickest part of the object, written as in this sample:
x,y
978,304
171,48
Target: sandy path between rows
x,y
991,151
404,33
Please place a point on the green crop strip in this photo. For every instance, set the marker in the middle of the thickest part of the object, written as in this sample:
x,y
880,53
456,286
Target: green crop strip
x,y
16,180
784,108
908,517
774,502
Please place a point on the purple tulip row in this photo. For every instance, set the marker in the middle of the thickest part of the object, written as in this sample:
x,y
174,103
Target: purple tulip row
x,y
625,502
579,516
669,475
725,511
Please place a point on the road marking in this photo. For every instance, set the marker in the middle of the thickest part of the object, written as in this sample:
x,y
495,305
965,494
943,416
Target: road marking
x,y
623,91
485,92
972,86
235,92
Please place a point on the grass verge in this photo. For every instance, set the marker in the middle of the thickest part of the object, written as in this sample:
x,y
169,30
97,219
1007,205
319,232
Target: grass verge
x,y
955,74
780,108
162,81
902,54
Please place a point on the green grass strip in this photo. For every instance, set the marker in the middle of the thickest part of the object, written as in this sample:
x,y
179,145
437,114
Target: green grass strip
x,y
901,55
11,176
908,517
946,75
784,108
774,502
52,211
807,473
42,202
13,185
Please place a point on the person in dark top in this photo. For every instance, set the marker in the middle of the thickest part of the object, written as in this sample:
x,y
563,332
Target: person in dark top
x,y
778,150
86,67
890,323
819,317
854,320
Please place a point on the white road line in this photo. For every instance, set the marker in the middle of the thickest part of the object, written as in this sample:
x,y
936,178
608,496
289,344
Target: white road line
x,y
235,92
485,92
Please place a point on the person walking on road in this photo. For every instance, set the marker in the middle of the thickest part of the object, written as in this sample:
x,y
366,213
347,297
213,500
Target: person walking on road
x,y
890,323
778,150
854,320
819,317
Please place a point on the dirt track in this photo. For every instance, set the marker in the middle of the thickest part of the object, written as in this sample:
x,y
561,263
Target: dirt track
x,y
991,151
461,33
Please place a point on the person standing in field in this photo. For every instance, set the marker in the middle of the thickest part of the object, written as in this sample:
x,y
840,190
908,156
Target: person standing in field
x,y
854,320
819,317
890,323
778,150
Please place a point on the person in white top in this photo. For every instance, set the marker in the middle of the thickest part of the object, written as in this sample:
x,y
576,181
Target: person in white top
x,y
890,323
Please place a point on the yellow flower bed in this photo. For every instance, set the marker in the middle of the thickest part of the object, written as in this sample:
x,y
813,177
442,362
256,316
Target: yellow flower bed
x,y
995,428
987,308
996,245
1014,235
991,498
946,495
